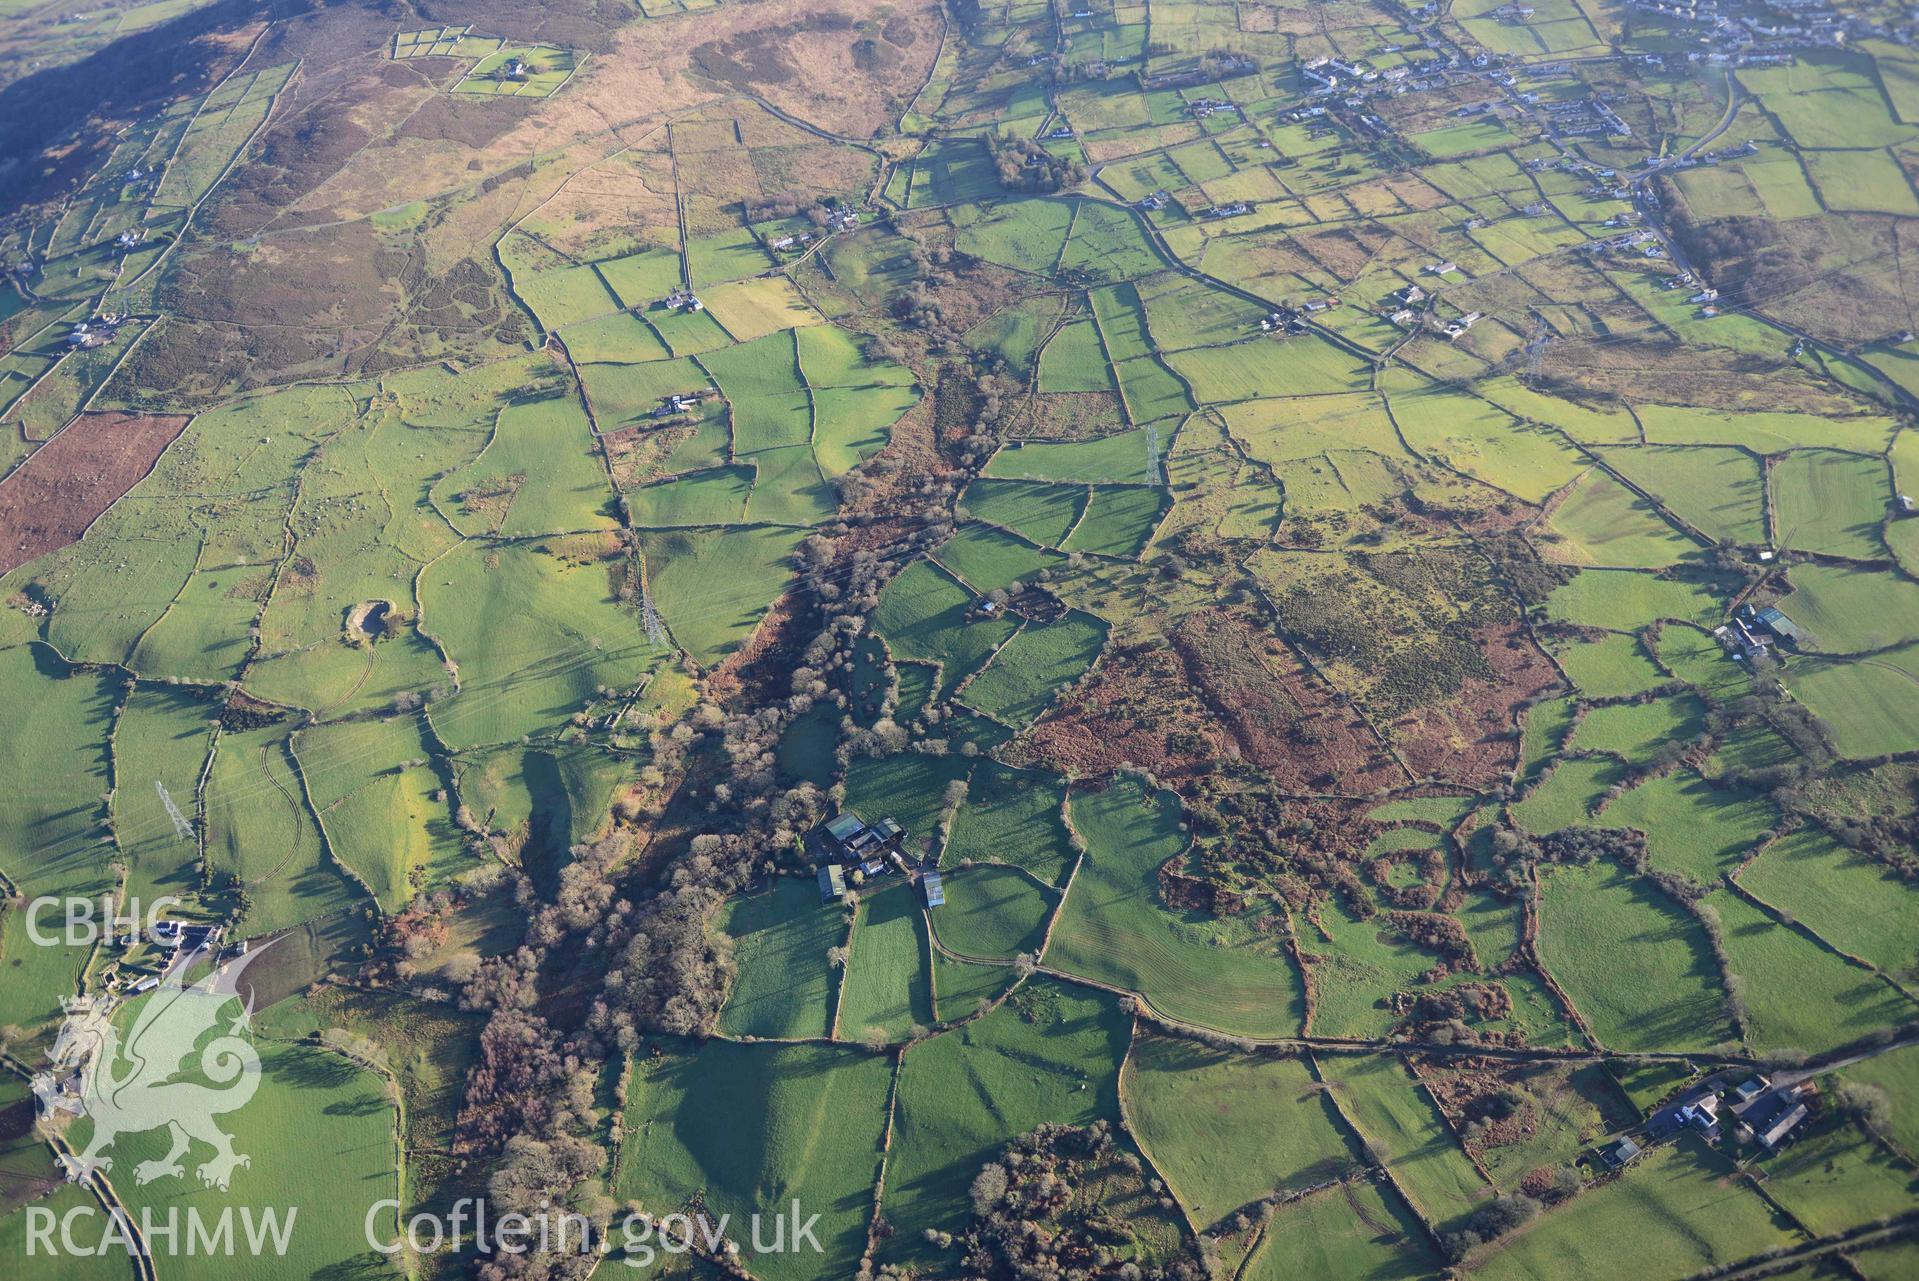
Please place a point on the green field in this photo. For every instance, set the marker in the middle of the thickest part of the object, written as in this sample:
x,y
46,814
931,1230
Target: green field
x,y
814,1133
1405,1132
1638,968
1226,1130
1830,502
1844,897
1114,928
1317,1237
1022,678
887,990
1051,1053
1797,994
1676,1205
1013,817
994,913
786,986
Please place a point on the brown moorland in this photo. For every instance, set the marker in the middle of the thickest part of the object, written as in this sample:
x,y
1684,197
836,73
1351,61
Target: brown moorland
x,y
49,501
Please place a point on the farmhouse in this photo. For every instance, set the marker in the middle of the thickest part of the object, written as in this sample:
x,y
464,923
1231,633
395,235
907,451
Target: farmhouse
x,y
1698,1111
1769,1116
850,840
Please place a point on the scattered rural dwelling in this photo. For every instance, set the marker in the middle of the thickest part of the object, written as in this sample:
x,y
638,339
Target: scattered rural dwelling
x,y
517,69
1770,1137
934,889
1767,1117
1702,1114
850,840
832,883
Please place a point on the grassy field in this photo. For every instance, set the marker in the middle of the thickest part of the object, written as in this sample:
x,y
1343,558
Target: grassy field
x,y
786,987
1601,522
1050,1053
1896,1073
1797,994
814,1133
1627,599
62,765
1676,1205
485,606
1014,817
1128,456
1844,897
1118,521
382,805
992,912
1359,1230
1825,501
922,614
1406,1134
1635,730
1046,514
302,1091
1868,703
1568,795
1692,827
1114,928
1848,610
1225,1130
1356,968
161,741
1837,1179
988,559
712,587
1637,967
1075,361
887,985
261,831
1719,492
1024,676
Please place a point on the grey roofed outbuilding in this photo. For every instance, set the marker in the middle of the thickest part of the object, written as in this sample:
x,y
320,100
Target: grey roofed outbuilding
x,y
832,883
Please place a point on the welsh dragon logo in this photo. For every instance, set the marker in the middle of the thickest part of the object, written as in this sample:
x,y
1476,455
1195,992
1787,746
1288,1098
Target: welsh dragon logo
x,y
184,1062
